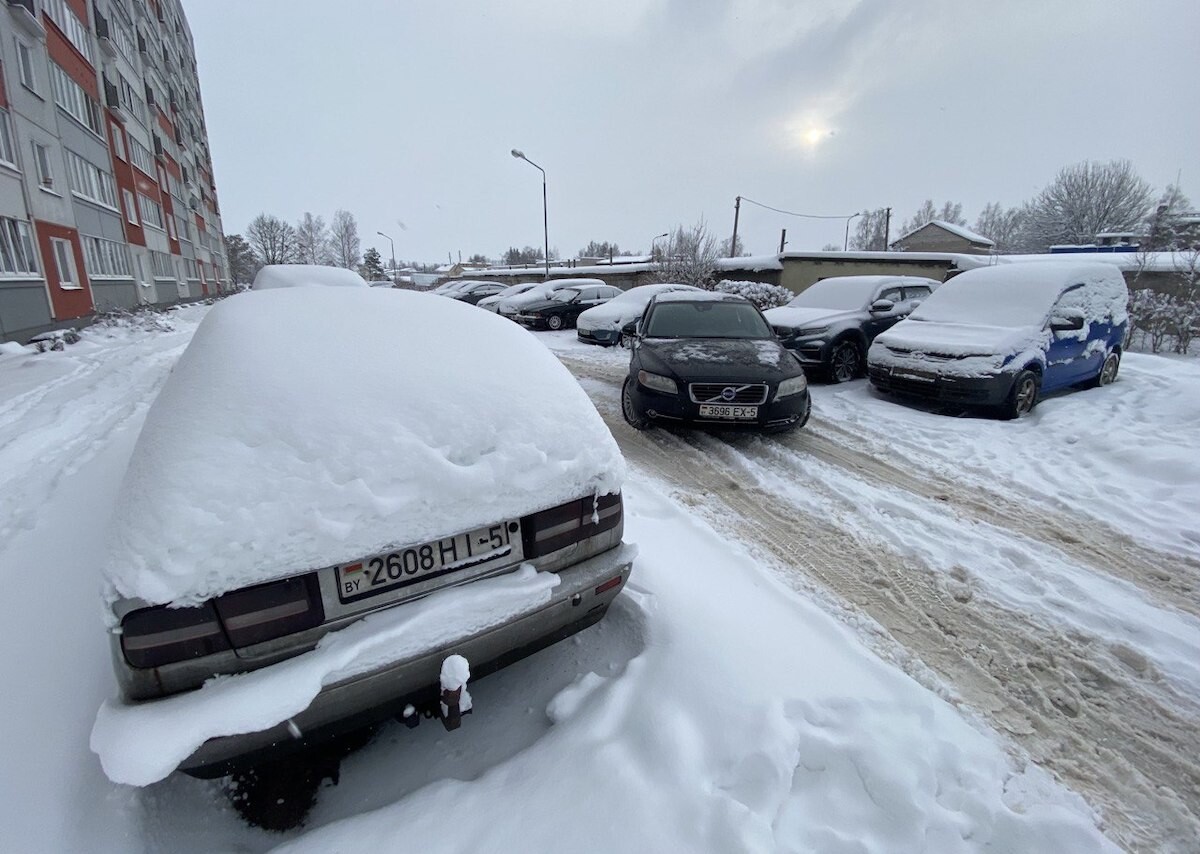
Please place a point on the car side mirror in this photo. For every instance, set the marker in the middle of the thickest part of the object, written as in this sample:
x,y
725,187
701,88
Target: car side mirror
x,y
1066,320
630,329
781,331
882,306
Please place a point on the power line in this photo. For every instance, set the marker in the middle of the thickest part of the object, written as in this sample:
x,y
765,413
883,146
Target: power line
x,y
792,213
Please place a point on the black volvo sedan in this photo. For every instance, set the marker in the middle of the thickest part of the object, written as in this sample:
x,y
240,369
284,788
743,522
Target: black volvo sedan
x,y
711,359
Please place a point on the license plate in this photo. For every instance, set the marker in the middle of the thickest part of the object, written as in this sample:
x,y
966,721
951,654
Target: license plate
x,y
735,413
420,563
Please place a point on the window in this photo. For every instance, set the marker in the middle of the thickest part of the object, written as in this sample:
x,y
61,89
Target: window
x,y
106,258
118,144
17,257
916,293
161,262
151,211
130,207
8,154
63,260
77,103
130,100
171,228
90,181
77,34
140,156
41,162
25,66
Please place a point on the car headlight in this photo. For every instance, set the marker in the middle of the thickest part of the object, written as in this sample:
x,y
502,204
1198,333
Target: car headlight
x,y
811,330
657,382
795,385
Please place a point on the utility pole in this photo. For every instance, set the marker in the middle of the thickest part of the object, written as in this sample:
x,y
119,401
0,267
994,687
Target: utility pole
x,y
737,209
887,227
782,240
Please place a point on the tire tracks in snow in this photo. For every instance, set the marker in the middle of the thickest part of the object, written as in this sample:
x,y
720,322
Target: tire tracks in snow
x,y
1097,714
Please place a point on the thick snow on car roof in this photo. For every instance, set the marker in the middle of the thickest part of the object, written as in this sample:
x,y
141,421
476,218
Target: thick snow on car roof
x,y
699,296
302,428
1017,295
304,276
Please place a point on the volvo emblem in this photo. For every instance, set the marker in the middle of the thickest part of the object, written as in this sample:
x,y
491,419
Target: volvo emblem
x,y
728,393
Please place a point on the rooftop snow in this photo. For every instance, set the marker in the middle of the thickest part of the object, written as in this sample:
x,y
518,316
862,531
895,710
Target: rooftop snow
x,y
302,428
964,233
305,275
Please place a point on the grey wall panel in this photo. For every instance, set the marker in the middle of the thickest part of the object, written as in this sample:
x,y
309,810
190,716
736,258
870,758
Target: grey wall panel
x,y
23,306
113,294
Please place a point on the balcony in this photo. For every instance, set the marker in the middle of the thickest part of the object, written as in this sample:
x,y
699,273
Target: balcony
x,y
104,34
25,13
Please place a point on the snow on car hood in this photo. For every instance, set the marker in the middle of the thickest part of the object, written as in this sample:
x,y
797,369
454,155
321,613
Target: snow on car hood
x,y
720,356
306,276
958,339
798,317
304,427
628,306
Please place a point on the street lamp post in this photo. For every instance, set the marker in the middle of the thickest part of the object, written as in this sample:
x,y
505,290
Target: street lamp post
x,y
395,280
846,241
520,155
659,237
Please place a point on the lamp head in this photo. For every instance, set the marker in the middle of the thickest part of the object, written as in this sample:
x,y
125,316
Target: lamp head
x,y
517,153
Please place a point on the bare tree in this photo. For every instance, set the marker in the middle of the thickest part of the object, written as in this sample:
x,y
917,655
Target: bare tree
x,y
1164,227
950,212
242,263
272,239
689,257
344,242
737,251
1001,225
1088,199
312,240
871,230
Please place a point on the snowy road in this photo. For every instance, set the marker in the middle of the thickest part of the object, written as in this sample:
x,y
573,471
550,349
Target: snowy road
x,y
718,707
1075,638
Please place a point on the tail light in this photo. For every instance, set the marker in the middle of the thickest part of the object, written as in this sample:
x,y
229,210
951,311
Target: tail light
x,y
550,530
155,636
268,611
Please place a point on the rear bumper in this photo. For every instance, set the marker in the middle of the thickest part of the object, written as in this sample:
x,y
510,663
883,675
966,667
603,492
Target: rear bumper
x,y
383,693
926,385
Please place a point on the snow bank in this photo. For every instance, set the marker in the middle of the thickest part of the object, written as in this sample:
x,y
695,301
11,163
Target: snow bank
x,y
303,427
304,276
142,743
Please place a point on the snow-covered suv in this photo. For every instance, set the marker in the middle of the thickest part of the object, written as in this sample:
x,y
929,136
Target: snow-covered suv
x,y
1002,336
327,510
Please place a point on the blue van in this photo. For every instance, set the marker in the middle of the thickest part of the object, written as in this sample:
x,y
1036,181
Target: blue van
x,y
1002,336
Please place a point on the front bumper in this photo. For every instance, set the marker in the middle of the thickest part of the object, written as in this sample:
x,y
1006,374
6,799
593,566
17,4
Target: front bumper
x,y
812,352
532,321
680,408
379,694
606,337
990,390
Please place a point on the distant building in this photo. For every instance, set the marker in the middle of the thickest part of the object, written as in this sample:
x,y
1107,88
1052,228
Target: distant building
x,y
107,196
939,236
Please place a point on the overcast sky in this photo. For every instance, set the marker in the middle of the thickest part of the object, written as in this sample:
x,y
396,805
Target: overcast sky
x,y
650,113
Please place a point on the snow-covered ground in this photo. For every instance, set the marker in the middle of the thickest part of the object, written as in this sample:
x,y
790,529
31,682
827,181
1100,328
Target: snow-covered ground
x,y
724,704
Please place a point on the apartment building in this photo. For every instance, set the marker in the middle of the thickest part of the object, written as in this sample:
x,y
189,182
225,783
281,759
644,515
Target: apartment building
x,y
107,196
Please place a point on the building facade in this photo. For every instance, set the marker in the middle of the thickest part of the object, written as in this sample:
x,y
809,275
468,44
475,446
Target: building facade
x,y
107,196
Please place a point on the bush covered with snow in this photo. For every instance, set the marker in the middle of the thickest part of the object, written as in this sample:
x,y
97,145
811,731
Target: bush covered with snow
x,y
762,295
148,318
1159,321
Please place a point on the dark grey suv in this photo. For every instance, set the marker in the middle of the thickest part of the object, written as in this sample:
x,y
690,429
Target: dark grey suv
x,y
830,325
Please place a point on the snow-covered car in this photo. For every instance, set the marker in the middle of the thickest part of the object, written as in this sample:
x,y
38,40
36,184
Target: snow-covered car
x,y
510,306
563,306
326,502
475,291
1002,336
602,324
491,303
711,359
831,323
274,276
382,283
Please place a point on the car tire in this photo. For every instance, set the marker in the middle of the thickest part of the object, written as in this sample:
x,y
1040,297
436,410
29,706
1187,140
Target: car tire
x,y
554,322
634,417
845,362
1108,370
1023,396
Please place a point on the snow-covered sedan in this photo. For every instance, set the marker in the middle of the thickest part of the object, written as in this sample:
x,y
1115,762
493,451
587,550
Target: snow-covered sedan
x,y
711,359
602,324
511,306
1002,336
328,520
563,306
830,324
491,303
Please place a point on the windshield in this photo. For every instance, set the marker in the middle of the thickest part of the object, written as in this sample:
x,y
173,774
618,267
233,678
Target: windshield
x,y
990,300
564,295
707,319
843,293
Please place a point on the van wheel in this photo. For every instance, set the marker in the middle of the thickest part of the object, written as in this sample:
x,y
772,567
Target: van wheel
x,y
1108,370
1023,397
